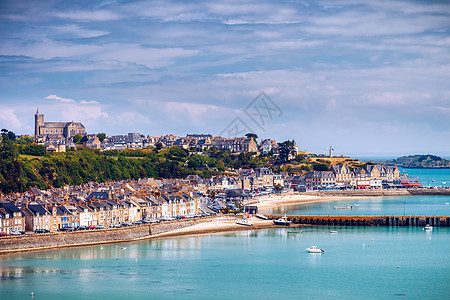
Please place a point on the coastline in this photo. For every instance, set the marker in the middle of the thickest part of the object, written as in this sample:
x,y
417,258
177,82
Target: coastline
x,y
210,225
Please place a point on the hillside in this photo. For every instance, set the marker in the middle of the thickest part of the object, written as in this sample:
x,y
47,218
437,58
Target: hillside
x,y
421,161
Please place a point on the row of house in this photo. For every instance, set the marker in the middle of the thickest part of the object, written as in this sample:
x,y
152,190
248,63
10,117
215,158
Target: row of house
x,y
98,208
372,176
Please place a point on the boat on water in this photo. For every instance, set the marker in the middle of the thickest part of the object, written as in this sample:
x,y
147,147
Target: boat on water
x,y
283,221
349,206
332,231
295,232
263,217
314,249
428,227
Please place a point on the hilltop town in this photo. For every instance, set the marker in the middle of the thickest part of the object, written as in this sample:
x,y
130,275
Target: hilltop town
x,y
66,179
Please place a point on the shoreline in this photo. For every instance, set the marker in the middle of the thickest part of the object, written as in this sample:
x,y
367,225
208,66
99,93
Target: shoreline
x,y
211,225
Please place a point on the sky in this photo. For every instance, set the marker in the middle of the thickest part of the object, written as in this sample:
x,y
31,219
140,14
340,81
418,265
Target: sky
x,y
365,77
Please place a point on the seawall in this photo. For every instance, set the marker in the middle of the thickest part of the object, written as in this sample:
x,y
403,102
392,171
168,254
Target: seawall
x,y
33,242
362,193
410,221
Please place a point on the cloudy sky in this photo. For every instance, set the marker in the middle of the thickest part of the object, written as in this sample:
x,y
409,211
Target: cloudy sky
x,y
368,77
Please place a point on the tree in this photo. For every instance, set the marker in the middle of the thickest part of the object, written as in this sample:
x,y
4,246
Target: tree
x,y
11,135
286,150
24,140
84,139
101,137
251,135
8,149
77,139
320,167
158,146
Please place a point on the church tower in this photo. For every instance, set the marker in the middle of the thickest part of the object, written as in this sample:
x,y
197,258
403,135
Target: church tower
x,y
38,122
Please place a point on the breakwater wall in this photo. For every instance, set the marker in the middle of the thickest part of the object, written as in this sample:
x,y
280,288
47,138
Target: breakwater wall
x,y
430,192
32,242
362,193
411,221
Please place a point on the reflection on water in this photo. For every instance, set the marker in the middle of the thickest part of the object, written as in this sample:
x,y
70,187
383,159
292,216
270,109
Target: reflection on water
x,y
245,264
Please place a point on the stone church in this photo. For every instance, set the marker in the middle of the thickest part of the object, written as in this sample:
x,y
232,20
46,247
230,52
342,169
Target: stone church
x,y
56,130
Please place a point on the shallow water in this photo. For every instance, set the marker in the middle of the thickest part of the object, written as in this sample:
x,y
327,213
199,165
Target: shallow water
x,y
398,206
358,263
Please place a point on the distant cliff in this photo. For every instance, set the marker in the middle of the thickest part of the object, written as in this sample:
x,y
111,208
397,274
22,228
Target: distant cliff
x,y
421,161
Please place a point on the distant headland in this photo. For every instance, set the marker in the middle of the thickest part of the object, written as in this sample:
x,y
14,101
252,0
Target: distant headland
x,y
427,161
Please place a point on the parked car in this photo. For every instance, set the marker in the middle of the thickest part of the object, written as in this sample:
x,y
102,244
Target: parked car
x,y
137,223
3,234
15,233
42,231
116,225
145,221
125,224
92,227
83,228
99,226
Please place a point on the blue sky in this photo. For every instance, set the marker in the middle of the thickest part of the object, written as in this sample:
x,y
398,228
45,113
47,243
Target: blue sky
x,y
368,77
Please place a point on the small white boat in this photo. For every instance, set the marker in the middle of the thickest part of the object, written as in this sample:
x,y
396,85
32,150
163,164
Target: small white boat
x,y
283,221
263,217
244,222
428,227
332,231
314,249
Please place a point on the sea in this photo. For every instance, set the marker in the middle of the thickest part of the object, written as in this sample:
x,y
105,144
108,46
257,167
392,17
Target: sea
x,y
358,262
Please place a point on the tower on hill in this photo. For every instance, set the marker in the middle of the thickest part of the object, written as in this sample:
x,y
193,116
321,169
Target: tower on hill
x,y
56,130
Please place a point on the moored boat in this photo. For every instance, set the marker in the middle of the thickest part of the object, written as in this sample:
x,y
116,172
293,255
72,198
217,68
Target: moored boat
x,y
283,221
314,249
244,222
428,227
263,217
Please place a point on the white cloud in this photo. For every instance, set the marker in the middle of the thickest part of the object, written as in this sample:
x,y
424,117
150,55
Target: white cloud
x,y
9,119
88,102
68,109
150,57
89,15
60,99
80,31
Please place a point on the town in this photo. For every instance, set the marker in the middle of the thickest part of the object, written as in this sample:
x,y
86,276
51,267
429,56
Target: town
x,y
96,205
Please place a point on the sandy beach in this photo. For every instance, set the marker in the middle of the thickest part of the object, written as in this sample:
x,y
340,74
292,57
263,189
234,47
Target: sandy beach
x,y
274,201
228,222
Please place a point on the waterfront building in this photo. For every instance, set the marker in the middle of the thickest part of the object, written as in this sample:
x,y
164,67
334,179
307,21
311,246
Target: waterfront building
x,y
14,218
342,174
36,217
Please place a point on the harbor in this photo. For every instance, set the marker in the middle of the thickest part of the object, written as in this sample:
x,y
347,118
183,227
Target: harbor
x,y
410,221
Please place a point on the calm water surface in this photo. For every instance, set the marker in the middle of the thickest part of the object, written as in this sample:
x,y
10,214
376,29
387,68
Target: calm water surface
x,y
430,177
358,263
404,205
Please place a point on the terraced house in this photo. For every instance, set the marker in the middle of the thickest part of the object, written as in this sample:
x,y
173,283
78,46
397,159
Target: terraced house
x,y
13,217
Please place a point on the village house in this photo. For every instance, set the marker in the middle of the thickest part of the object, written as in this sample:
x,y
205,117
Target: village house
x,y
36,217
14,217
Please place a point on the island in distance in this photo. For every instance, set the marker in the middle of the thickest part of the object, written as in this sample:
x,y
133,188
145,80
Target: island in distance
x,y
426,161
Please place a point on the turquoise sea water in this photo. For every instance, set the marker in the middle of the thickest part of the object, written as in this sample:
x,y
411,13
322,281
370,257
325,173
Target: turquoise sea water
x,y
430,177
358,263
392,206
